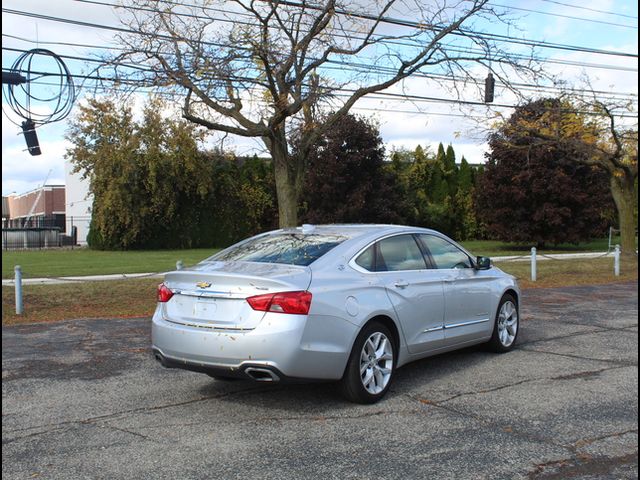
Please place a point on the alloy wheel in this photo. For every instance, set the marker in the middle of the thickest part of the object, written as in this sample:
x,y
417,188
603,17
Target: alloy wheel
x,y
376,363
507,323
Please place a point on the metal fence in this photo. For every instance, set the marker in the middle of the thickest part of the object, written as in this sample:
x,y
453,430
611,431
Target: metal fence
x,y
40,221
36,238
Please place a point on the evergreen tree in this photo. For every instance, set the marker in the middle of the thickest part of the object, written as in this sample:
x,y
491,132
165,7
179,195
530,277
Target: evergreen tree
x,y
451,171
465,176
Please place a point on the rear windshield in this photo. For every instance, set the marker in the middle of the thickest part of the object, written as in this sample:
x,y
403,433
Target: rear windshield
x,y
287,248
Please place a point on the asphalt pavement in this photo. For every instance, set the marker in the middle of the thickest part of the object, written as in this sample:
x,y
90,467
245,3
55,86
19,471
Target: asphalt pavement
x,y
85,399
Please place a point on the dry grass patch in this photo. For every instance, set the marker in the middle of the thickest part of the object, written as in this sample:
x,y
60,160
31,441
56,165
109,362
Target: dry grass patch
x,y
103,299
562,273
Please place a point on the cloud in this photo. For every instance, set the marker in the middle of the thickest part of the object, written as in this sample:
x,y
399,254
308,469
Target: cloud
x,y
22,172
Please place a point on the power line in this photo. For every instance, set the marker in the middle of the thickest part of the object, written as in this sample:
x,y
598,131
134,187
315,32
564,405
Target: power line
x,y
142,33
555,61
144,84
539,12
580,7
226,46
175,96
353,33
88,59
399,22
531,87
364,67
523,86
466,33
346,93
508,7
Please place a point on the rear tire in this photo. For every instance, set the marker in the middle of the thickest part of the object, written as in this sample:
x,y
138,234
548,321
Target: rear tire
x,y
371,365
506,326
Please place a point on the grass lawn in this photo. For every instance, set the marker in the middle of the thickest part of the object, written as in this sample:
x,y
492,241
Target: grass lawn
x,y
136,297
83,261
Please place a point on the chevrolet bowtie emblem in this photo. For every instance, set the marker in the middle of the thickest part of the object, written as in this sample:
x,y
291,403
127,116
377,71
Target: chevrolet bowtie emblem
x,y
203,284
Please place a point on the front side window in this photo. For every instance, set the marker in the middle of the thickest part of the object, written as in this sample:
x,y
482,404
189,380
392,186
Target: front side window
x,y
444,253
286,248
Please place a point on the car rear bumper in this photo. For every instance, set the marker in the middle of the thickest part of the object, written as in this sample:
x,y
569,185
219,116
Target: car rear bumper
x,y
246,371
281,347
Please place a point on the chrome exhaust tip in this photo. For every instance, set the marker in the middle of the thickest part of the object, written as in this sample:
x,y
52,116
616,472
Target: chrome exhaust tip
x,y
261,374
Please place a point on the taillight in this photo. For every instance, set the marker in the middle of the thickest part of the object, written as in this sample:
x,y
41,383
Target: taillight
x,y
164,294
285,302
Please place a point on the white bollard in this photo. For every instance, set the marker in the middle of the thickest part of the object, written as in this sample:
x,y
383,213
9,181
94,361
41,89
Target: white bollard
x,y
534,272
616,261
18,281
179,265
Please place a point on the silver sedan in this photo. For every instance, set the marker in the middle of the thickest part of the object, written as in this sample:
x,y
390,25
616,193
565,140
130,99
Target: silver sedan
x,y
348,303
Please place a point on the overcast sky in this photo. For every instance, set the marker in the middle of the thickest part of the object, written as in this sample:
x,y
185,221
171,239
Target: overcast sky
x,y
590,24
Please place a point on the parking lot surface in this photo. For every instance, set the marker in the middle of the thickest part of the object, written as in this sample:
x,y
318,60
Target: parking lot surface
x,y
85,399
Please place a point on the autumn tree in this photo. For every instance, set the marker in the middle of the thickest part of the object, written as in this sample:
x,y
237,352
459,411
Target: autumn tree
x,y
146,175
596,135
539,192
262,69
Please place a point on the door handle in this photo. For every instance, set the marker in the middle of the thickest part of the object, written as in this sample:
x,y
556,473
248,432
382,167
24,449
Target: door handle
x,y
401,284
449,280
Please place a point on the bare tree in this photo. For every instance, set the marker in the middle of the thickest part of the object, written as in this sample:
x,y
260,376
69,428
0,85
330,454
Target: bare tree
x,y
260,68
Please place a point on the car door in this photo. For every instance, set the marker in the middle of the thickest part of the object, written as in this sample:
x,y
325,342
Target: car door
x,y
467,291
415,291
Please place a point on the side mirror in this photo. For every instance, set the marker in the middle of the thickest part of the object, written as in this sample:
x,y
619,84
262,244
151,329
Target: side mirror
x,y
483,263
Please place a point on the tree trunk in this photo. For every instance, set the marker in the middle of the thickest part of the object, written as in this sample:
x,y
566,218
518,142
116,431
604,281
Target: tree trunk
x,y
288,174
624,196
287,195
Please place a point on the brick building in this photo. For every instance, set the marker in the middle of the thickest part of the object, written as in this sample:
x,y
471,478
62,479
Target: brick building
x,y
42,207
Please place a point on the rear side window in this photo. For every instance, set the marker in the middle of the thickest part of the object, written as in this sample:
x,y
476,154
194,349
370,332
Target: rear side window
x,y
367,259
285,248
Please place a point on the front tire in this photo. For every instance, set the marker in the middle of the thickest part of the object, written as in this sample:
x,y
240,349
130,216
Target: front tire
x,y
371,365
507,325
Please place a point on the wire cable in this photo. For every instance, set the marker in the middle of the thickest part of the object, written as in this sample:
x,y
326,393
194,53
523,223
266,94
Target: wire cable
x,y
399,22
332,65
21,97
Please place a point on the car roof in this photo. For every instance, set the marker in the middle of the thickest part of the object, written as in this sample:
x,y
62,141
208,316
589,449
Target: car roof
x,y
351,230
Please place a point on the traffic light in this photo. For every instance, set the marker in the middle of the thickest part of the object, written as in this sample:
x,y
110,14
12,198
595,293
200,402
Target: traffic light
x,y
489,85
29,130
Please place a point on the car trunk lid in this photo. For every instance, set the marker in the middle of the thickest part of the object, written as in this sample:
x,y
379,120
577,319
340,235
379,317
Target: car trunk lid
x,y
213,294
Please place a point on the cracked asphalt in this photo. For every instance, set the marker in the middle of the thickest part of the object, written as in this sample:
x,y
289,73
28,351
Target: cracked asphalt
x,y
85,399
